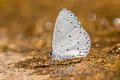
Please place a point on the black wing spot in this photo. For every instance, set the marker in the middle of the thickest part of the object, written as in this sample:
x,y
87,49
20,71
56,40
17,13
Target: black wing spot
x,y
70,36
71,22
80,32
87,42
68,12
86,37
84,33
78,42
67,49
86,52
86,48
67,19
74,19
77,48
59,31
74,26
61,45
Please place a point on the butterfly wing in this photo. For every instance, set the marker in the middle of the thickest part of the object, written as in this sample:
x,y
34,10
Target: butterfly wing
x,y
69,38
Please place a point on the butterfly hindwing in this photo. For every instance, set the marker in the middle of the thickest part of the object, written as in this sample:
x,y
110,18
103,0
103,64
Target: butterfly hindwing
x,y
77,40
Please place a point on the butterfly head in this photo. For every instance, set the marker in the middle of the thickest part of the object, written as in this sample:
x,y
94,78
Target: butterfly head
x,y
55,56
50,53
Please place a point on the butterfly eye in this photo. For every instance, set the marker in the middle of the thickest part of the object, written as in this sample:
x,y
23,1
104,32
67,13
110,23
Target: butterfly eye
x,y
50,53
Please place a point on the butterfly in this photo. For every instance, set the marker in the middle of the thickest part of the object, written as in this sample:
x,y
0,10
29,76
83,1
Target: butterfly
x,y
70,40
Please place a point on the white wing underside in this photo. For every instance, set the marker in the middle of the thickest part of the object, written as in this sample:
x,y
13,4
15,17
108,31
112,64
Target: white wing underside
x,y
69,38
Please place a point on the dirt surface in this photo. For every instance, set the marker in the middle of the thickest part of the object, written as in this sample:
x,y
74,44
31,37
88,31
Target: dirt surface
x,y
26,29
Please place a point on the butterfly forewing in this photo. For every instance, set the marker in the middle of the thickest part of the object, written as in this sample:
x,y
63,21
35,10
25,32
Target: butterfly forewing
x,y
63,26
